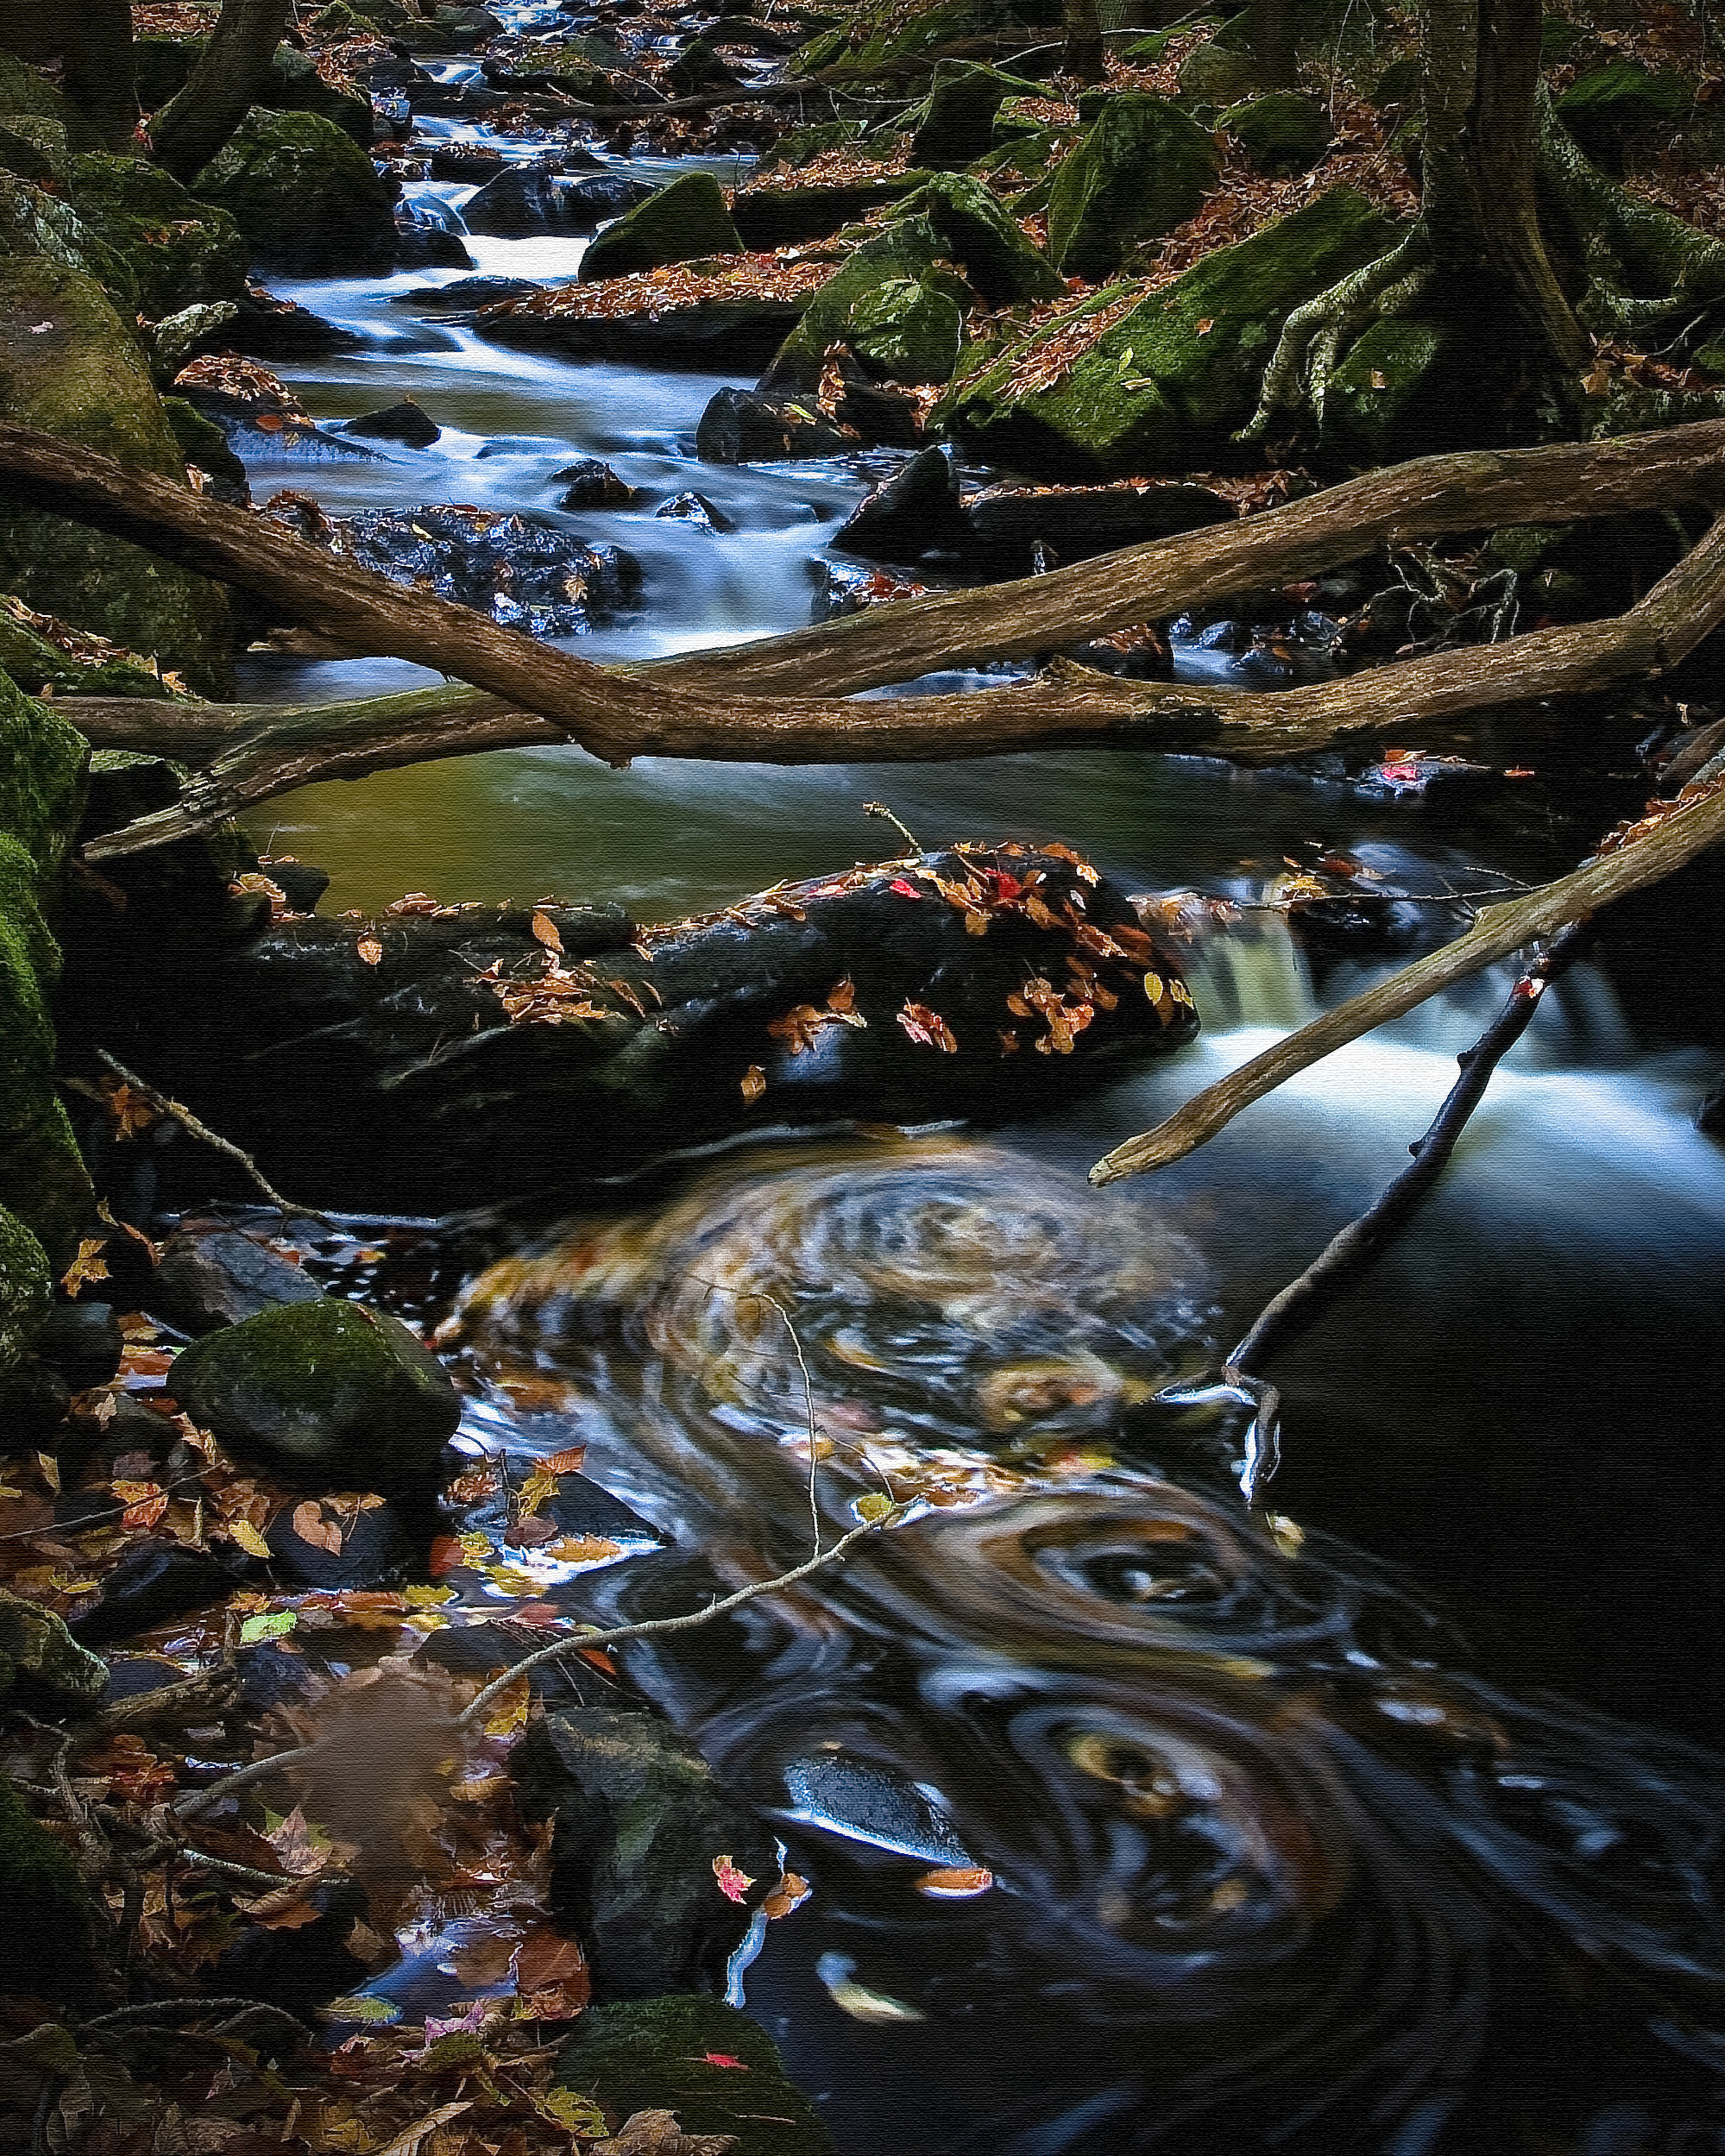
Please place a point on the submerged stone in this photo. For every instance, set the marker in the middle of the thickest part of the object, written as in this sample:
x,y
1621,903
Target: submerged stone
x,y
716,2068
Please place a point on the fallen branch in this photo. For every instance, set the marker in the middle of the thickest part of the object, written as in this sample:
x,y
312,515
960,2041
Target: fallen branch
x,y
1064,706
1353,1249
184,1116
1688,827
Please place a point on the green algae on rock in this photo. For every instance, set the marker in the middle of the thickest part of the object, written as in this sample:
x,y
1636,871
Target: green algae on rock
x,y
47,1908
686,222
180,252
305,195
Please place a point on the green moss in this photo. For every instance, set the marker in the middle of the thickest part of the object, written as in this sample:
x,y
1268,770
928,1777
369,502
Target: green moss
x,y
33,223
304,194
23,90
180,252
47,1908
1169,383
1142,168
908,331
658,2054
26,1289
681,223
41,778
1282,133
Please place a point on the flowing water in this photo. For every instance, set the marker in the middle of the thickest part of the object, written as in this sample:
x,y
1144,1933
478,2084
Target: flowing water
x,y
1290,1847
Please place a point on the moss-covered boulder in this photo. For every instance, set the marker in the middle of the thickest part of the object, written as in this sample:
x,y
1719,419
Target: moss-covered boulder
x,y
953,220
26,1288
909,330
72,367
881,30
38,653
47,1908
295,85
1606,107
327,1395
35,223
33,148
1280,133
37,1651
712,2066
24,92
683,223
1414,388
181,252
304,196
1167,383
953,125
1142,168
1219,72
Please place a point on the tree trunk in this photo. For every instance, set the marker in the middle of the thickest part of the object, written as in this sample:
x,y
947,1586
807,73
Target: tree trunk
x,y
93,40
192,127
1477,195
1083,56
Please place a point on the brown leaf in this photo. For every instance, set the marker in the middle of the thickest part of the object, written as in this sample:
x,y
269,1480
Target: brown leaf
x,y
546,930
370,950
86,1265
313,1525
754,1084
569,1461
927,1027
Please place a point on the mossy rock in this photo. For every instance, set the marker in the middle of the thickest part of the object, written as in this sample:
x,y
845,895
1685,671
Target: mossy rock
x,y
1282,133
34,664
954,123
1415,387
657,2055
304,196
884,30
328,1395
802,145
908,330
47,1908
34,148
1213,74
681,223
34,223
202,442
70,366
26,1285
1603,109
181,252
1142,168
23,90
1165,387
41,1652
295,85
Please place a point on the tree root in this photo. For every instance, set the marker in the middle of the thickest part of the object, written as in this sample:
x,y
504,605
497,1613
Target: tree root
x,y
1668,838
1313,336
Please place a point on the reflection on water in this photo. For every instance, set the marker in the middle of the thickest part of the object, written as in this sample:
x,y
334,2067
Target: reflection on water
x,y
1272,1868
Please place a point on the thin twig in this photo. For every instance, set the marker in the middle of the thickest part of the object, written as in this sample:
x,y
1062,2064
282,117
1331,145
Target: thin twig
x,y
879,808
1353,1249
583,1641
243,1777
184,1116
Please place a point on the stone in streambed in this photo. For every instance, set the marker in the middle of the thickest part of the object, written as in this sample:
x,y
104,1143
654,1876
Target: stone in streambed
x,y
404,422
709,2064
325,1395
685,222
211,1275
638,1820
691,508
590,483
917,511
182,253
752,426
525,200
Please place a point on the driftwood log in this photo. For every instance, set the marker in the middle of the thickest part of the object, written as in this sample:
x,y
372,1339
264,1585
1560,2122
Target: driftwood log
x,y
784,698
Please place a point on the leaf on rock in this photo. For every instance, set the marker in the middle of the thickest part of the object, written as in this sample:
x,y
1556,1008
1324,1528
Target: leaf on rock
x,y
370,950
927,1027
732,1883
754,1084
313,1523
569,1461
243,1532
267,1624
546,930
86,1265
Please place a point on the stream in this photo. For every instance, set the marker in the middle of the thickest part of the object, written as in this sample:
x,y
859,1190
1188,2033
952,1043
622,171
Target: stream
x,y
1134,1820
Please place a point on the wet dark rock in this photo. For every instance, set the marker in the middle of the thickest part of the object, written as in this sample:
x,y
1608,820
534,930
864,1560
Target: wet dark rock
x,y
429,247
579,1505
638,1819
203,443
405,422
777,216
589,483
749,35
688,508
33,1400
468,164
877,412
953,125
483,1650
698,68
1006,523
466,293
84,1342
753,426
153,1583
659,2054
917,511
331,1545
1709,1116
532,576
683,223
302,1968
269,328
325,1395
211,1274
40,1658
90,1449
588,203
300,883
1139,654
528,199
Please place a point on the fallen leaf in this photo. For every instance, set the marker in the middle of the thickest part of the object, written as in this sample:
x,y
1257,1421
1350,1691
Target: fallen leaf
x,y
927,1027
754,1084
723,2059
954,1883
569,1461
312,1522
370,950
267,1624
243,1532
406,2142
733,1884
546,930
86,1265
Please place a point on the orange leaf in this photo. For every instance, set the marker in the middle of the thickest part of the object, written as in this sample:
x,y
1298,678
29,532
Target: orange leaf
x,y
754,1084
546,930
547,1957
955,1882
313,1525
86,1265
1206,325
568,1462
928,1028
370,950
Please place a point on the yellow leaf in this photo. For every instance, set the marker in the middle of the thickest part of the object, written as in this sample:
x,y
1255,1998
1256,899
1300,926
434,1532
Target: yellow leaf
x,y
247,1537
508,1713
86,1265
1206,325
